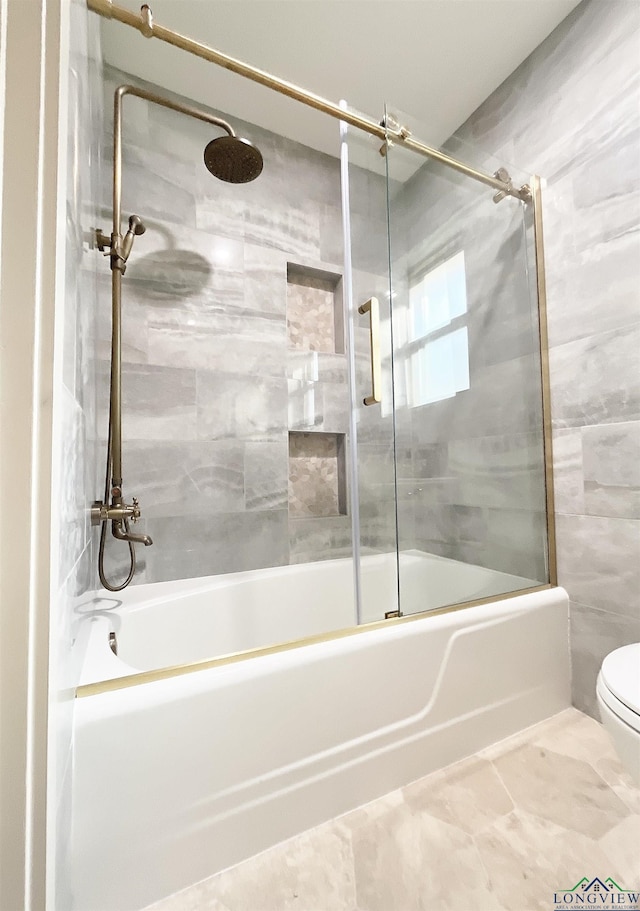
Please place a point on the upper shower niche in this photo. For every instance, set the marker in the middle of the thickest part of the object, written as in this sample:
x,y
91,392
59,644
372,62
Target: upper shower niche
x,y
314,310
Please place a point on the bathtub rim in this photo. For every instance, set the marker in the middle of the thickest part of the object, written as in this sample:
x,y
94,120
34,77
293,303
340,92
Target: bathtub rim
x,y
178,670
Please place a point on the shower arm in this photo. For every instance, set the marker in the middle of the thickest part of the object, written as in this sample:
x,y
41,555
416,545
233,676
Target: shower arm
x,y
118,249
145,24
154,98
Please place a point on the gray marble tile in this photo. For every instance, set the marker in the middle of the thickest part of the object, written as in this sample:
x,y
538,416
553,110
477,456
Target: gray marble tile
x,y
241,407
319,539
595,380
71,301
378,532
294,231
193,546
331,236
607,198
375,464
318,406
155,186
72,501
599,562
177,266
265,280
266,475
316,366
369,244
428,461
222,214
503,399
498,471
527,563
594,634
158,403
136,113
611,458
135,335
232,344
185,478
595,291
568,478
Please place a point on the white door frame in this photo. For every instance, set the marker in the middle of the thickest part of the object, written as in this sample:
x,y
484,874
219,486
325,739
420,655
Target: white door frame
x,y
30,91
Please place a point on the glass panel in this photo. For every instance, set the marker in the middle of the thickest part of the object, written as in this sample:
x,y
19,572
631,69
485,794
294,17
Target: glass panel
x,y
365,188
467,382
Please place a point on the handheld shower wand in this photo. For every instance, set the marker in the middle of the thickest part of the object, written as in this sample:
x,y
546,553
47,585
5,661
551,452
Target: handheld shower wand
x,y
136,228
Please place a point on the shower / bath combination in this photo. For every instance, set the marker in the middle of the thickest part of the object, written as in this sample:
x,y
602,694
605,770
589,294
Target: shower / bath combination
x,y
234,160
229,158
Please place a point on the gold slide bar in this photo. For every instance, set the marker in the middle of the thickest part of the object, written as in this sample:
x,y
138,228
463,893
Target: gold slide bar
x,y
146,25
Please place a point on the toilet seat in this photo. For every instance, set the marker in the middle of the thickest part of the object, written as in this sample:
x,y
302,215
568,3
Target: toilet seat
x,y
619,684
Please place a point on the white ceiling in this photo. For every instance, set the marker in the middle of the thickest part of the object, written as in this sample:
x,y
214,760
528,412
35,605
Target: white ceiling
x,y
435,59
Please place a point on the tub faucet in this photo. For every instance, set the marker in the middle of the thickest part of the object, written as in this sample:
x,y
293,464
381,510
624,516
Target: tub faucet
x,y
120,530
119,513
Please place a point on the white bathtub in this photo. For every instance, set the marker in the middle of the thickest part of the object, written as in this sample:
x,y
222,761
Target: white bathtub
x,y
179,778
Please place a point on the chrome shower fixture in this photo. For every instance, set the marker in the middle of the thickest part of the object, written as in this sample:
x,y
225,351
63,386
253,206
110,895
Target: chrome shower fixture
x,y
229,158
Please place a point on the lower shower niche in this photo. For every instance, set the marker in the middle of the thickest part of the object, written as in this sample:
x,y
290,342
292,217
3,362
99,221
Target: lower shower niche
x,y
317,475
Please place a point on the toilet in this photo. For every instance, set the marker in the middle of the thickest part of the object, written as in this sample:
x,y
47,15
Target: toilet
x,y
618,691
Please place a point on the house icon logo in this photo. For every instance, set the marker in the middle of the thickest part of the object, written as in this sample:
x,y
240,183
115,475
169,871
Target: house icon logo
x,y
596,893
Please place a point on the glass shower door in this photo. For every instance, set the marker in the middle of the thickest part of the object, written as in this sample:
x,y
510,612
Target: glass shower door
x,y
373,416
467,383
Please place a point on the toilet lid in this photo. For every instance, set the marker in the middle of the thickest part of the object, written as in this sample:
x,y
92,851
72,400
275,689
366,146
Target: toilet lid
x,y
621,675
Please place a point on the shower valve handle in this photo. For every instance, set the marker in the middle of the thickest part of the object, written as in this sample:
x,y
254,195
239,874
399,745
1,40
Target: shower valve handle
x,y
101,512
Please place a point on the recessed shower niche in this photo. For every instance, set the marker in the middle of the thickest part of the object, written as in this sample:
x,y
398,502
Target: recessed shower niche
x,y
317,475
317,393
314,309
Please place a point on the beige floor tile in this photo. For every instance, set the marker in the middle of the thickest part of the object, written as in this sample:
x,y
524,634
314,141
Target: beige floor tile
x,y
528,735
411,861
370,812
188,900
622,846
561,789
313,872
469,795
528,859
571,733
619,780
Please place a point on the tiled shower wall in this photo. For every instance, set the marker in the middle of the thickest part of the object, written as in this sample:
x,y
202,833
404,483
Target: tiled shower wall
x,y
214,378
571,113
74,483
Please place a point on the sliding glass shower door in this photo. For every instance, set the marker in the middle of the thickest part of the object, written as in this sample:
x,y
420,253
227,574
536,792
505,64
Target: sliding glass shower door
x,y
373,415
467,386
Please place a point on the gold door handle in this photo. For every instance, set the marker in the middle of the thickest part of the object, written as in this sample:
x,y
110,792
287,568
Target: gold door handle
x,y
373,309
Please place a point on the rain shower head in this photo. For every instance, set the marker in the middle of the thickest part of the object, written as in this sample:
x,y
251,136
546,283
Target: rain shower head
x,y
233,159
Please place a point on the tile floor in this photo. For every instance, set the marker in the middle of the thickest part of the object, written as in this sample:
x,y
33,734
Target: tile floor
x,y
500,831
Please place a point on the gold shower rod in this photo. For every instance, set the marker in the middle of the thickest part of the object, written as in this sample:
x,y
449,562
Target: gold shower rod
x,y
145,24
